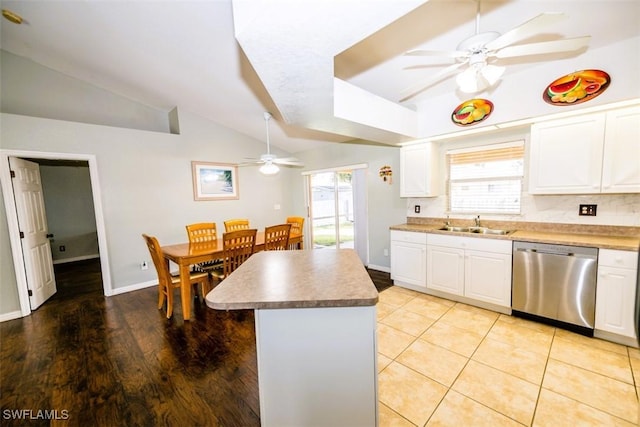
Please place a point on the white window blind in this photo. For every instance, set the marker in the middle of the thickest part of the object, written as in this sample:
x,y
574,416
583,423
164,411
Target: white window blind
x,y
486,179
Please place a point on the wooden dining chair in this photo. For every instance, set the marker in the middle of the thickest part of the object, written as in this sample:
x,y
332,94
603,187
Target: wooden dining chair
x,y
236,224
204,232
276,237
238,246
296,228
168,282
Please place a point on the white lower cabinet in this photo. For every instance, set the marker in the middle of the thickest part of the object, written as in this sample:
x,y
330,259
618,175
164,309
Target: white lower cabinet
x,y
616,295
409,259
446,269
476,268
488,277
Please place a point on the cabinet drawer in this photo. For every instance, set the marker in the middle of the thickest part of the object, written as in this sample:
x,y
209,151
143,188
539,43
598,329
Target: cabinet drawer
x,y
447,241
621,259
409,237
485,244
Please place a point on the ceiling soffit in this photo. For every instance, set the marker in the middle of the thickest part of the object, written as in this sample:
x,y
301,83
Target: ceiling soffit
x,y
292,45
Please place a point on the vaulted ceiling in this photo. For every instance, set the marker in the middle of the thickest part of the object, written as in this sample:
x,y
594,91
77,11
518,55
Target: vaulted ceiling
x,y
328,71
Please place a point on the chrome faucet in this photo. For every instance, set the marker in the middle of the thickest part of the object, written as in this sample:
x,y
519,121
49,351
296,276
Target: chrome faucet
x,y
447,223
477,220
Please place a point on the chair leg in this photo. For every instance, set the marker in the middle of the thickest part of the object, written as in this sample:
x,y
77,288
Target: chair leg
x,y
207,285
169,302
161,296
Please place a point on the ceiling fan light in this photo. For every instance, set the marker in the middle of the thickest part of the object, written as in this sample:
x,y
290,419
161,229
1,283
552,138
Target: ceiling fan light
x,y
492,73
468,81
269,169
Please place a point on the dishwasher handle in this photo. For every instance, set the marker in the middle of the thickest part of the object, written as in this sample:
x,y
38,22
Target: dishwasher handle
x,y
538,251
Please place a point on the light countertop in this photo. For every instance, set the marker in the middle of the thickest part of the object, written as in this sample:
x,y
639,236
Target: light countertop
x,y
603,241
296,279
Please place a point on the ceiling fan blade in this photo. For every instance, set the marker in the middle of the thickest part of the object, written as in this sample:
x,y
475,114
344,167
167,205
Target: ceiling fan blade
x,y
566,45
445,53
529,28
289,161
414,90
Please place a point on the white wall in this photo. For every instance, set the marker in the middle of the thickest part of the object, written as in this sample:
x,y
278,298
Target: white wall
x,y
146,182
29,89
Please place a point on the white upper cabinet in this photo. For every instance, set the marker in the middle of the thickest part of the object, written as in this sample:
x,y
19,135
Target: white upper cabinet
x,y
419,170
587,154
566,155
621,162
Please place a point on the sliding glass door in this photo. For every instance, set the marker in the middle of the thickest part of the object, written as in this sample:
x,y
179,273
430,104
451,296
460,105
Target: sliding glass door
x,y
332,209
337,200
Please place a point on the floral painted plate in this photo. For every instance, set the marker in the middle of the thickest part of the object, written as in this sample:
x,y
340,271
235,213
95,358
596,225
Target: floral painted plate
x,y
577,87
471,112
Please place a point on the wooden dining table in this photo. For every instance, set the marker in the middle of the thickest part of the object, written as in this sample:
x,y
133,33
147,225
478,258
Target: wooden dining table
x,y
187,254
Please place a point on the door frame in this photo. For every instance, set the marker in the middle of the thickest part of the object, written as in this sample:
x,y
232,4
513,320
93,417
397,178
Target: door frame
x,y
361,243
12,218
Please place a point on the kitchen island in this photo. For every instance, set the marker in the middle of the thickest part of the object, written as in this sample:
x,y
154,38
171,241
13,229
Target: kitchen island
x,y
315,320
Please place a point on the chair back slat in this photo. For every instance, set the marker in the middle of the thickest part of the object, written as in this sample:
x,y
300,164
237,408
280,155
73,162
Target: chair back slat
x,y
238,246
276,237
202,232
236,224
296,224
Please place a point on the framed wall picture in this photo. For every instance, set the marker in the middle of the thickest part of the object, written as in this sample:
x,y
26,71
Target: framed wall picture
x,y
214,181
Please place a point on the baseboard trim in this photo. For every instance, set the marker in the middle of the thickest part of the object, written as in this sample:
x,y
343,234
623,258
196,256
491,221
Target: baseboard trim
x,y
379,268
10,316
77,258
134,287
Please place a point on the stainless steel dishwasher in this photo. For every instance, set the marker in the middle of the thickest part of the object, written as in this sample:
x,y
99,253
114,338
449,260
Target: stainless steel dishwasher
x,y
556,284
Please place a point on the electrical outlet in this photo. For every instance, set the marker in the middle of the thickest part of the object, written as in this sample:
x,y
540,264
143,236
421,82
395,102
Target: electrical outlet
x,y
144,265
587,210
386,252
61,248
416,208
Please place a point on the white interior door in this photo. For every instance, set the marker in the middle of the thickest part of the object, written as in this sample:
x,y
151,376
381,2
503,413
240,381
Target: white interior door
x,y
32,220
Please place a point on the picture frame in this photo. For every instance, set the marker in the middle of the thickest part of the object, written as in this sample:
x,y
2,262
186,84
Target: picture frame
x,y
214,181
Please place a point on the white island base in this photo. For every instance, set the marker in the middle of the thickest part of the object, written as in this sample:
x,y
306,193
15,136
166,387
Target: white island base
x,y
315,318
317,366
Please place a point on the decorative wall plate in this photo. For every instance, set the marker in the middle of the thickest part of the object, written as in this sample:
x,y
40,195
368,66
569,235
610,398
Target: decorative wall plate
x,y
577,87
471,112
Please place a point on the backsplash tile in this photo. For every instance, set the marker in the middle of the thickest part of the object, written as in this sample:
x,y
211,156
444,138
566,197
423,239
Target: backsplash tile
x,y
613,209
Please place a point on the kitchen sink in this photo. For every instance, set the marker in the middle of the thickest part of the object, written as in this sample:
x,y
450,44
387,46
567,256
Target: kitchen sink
x,y
457,229
476,230
485,230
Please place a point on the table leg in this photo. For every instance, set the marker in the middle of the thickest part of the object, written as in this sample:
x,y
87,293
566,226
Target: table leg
x,y
185,291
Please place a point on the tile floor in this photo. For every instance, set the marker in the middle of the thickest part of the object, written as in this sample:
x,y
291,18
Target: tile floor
x,y
443,363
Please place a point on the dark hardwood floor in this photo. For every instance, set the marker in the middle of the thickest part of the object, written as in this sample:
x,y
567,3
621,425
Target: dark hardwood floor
x,y
118,361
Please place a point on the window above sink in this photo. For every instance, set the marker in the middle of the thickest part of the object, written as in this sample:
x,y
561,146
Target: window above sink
x,y
486,179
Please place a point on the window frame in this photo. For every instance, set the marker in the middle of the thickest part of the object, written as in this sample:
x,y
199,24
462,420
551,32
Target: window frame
x,y
481,153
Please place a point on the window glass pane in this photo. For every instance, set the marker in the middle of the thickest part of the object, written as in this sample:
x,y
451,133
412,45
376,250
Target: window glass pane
x,y
486,196
486,180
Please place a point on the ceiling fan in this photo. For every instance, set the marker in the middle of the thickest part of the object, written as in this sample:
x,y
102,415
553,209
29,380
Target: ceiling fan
x,y
270,161
479,51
